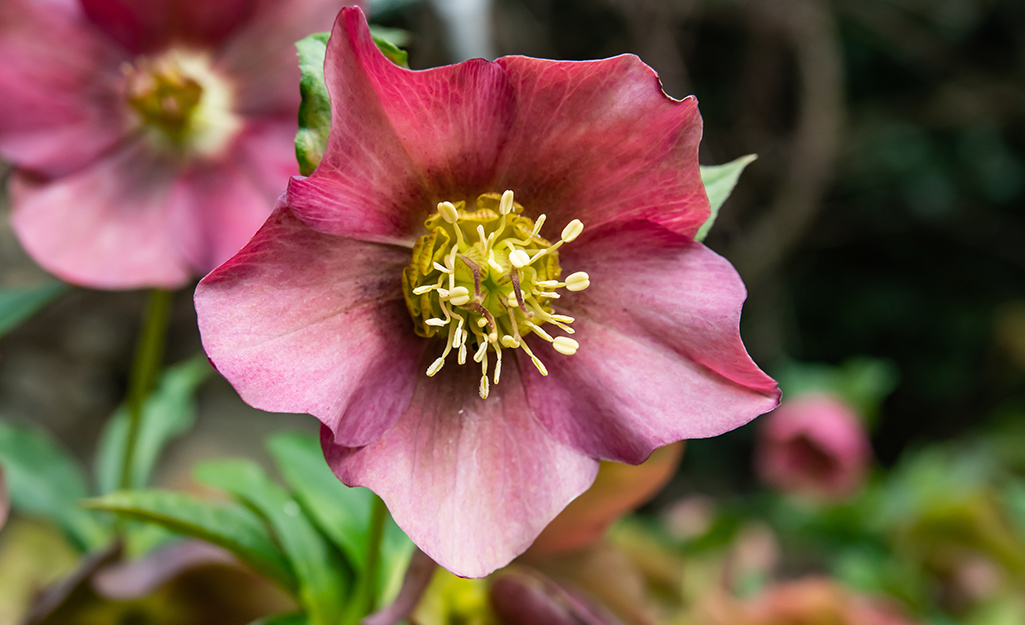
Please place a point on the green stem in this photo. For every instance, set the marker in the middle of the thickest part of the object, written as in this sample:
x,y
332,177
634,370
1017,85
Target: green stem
x,y
149,354
378,516
365,596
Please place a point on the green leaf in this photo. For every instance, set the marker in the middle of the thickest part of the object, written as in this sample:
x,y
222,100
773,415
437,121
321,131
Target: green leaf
x,y
44,480
226,525
323,583
341,512
719,181
18,304
315,109
392,52
166,414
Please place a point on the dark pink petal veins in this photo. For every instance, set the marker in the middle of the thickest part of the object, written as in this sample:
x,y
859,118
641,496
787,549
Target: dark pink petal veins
x,y
600,141
471,481
106,225
660,358
401,140
301,321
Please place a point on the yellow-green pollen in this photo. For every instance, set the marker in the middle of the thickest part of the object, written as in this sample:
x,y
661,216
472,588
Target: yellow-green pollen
x,y
487,279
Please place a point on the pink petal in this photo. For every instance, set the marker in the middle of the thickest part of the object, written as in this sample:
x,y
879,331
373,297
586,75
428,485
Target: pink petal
x,y
600,141
59,102
301,321
471,481
660,356
401,141
105,226
149,25
261,54
266,149
215,208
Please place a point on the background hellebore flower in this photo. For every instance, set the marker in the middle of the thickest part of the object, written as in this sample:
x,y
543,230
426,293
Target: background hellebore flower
x,y
392,332
814,445
150,138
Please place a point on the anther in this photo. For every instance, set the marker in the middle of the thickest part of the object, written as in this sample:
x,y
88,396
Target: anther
x,y
510,342
493,263
578,281
565,345
538,331
459,296
537,225
435,367
442,268
506,205
448,212
484,387
436,322
572,230
519,258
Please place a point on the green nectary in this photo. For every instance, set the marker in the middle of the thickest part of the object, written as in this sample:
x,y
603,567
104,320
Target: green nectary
x,y
486,278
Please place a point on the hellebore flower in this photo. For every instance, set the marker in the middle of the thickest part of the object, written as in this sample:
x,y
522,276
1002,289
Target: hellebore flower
x,y
814,445
405,294
809,601
150,138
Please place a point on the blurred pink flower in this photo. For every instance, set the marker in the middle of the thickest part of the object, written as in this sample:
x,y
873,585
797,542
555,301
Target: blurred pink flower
x,y
344,299
813,445
810,601
150,138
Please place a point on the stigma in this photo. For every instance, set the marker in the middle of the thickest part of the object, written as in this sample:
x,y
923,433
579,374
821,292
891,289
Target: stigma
x,y
485,279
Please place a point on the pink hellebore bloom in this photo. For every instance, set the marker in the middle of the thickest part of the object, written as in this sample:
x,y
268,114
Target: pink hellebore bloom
x,y
150,137
348,304
814,445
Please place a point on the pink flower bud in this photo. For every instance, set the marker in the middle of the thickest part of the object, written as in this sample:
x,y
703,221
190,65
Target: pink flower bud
x,y
814,445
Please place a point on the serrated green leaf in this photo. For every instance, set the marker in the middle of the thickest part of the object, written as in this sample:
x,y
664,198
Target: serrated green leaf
x,y
319,567
19,304
342,513
315,109
719,181
166,414
44,480
230,526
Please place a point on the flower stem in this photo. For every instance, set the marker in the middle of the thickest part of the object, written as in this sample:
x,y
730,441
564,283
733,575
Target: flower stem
x,y
149,354
378,516
365,595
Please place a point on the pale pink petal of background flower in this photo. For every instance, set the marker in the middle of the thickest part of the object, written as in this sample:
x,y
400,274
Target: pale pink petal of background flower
x,y
60,107
104,225
261,56
301,321
660,359
471,481
143,26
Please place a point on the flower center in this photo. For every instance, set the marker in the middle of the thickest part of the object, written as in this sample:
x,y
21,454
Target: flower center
x,y
183,103
488,279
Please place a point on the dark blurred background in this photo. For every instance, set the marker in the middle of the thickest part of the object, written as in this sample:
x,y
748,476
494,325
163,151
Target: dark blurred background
x,y
883,216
